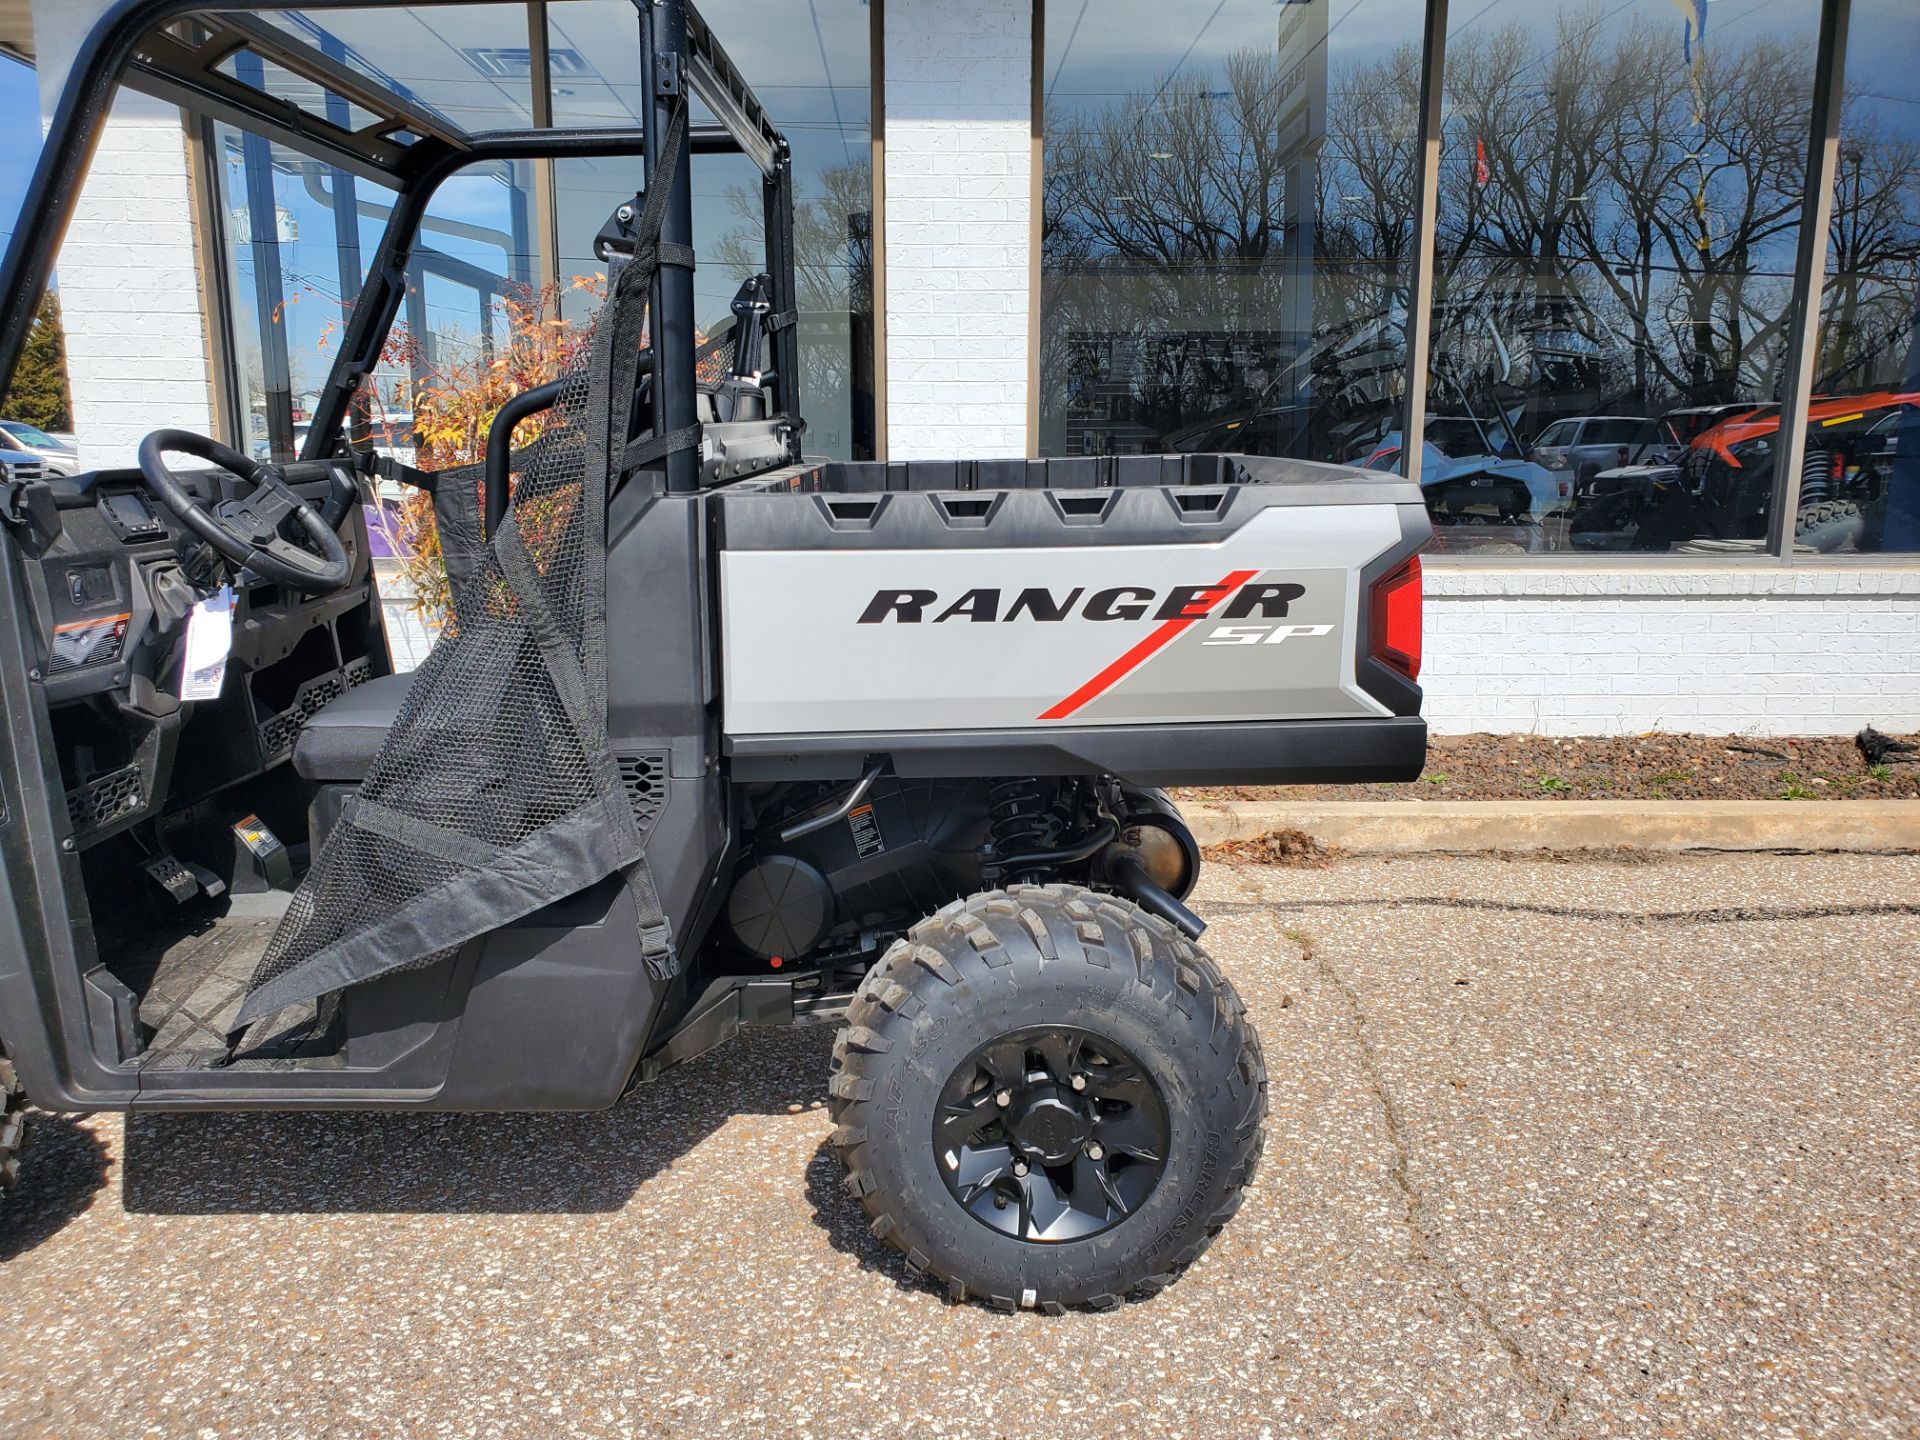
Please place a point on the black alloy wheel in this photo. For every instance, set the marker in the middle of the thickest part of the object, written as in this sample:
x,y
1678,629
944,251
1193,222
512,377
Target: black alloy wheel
x,y
1051,1134
1047,1097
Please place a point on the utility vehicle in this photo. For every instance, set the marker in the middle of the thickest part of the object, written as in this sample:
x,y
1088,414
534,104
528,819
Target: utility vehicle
x,y
717,734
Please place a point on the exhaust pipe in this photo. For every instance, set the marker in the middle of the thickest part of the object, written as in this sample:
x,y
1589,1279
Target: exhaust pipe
x,y
1130,877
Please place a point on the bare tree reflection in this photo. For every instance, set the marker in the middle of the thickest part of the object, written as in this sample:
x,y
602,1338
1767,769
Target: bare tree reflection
x,y
1607,241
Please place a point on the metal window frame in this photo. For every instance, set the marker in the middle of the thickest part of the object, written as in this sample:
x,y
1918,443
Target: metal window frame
x,y
545,181
877,245
216,289
1426,212
1810,274
1036,226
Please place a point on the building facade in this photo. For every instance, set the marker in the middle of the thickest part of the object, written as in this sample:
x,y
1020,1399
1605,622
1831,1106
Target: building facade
x,y
1632,290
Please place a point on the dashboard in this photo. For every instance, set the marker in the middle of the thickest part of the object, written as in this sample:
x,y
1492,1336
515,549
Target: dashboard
x,y
105,599
108,591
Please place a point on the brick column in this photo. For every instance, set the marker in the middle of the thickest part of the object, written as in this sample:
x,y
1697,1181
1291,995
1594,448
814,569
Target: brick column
x,y
128,274
958,168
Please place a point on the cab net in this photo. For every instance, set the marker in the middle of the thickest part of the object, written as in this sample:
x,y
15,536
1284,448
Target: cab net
x,y
497,792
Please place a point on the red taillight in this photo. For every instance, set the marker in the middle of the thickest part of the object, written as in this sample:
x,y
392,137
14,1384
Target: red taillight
x,y
1396,619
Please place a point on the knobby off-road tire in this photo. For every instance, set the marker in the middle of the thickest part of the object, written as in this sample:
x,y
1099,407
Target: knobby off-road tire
x,y
1830,525
13,1122
1013,962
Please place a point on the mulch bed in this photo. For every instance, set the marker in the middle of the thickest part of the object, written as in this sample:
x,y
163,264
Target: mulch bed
x,y
1642,767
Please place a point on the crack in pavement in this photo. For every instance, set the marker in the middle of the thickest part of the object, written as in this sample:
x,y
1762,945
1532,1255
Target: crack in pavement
x,y
1723,915
1422,1241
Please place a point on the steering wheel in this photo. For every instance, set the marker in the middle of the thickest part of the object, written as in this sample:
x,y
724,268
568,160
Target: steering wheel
x,y
247,530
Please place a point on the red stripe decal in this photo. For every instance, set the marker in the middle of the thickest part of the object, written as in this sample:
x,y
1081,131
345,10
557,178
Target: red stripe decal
x,y
1158,637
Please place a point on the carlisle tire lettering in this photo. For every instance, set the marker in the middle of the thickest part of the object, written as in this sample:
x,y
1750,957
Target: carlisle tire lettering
x,y
1122,602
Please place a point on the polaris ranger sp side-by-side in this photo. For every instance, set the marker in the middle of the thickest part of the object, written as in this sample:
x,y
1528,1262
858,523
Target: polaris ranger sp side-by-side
x,y
715,735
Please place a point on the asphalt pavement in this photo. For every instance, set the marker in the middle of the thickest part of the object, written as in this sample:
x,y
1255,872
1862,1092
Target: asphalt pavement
x,y
1556,1148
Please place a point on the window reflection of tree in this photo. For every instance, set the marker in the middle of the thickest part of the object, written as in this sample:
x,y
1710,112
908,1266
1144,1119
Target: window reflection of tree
x,y
1616,252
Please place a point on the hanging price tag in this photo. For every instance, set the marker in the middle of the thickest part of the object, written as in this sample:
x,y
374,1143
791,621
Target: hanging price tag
x,y
203,663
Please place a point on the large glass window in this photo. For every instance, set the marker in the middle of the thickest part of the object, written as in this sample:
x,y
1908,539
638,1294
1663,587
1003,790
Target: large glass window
x,y
809,61
298,235
1621,189
1860,486
1227,225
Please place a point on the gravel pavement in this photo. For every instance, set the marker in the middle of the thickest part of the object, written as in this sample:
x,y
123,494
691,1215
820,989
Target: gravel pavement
x,y
1572,1149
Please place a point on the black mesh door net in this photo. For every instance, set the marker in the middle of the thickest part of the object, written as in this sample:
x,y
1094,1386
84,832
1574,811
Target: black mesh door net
x,y
496,792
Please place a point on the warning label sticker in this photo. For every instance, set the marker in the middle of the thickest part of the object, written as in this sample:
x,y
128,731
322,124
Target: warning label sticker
x,y
255,836
87,642
865,825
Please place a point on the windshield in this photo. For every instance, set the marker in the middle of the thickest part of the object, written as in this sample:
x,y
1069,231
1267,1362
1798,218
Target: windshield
x,y
1455,435
29,435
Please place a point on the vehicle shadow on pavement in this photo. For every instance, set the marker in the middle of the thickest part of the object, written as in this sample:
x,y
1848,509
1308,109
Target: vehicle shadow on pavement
x,y
400,1162
840,1215
66,1166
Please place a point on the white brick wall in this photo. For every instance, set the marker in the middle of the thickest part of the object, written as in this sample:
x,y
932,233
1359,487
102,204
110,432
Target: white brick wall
x,y
128,273
958,169
1800,651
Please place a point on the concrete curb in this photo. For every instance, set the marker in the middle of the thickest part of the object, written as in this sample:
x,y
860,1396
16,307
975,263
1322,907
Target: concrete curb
x,y
1406,826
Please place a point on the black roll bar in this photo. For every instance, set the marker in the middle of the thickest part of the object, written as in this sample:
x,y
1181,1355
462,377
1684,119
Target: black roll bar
x,y
494,478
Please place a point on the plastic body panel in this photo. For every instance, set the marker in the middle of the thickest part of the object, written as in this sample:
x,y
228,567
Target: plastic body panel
x,y
1291,752
1185,619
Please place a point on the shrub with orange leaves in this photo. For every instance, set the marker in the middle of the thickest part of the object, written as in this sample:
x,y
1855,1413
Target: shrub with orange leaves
x,y
453,406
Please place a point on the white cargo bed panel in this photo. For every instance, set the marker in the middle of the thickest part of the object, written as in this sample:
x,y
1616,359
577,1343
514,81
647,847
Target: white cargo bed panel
x,y
1258,623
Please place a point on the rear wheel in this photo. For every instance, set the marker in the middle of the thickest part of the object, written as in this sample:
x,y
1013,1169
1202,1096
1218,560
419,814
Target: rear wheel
x,y
13,1122
1047,1097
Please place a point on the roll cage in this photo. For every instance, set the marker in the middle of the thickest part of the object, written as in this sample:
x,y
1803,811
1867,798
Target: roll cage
x,y
172,50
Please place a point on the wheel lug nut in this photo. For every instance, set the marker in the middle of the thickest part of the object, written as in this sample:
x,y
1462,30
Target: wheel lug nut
x,y
1094,1152
1079,1082
1003,1099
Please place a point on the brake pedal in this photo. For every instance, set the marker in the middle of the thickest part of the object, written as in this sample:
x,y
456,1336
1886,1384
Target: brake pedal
x,y
176,879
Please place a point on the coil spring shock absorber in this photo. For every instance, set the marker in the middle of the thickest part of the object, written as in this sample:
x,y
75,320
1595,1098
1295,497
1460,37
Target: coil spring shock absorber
x,y
1820,477
1022,821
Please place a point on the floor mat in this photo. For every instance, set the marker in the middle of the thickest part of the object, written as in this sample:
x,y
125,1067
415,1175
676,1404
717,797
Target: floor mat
x,y
198,982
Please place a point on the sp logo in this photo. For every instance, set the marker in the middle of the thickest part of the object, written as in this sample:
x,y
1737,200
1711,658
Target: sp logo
x,y
1262,634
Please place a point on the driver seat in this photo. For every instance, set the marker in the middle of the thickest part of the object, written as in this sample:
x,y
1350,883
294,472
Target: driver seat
x,y
339,741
